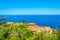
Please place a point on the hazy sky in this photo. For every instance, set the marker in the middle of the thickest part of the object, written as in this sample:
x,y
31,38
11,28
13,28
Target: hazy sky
x,y
29,7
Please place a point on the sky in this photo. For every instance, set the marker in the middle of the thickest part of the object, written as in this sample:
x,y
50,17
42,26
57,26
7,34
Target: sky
x,y
29,7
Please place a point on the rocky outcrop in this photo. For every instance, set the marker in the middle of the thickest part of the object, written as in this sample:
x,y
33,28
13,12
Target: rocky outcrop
x,y
35,28
9,23
2,18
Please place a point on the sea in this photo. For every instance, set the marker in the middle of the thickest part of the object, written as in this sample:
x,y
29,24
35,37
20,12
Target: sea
x,y
42,20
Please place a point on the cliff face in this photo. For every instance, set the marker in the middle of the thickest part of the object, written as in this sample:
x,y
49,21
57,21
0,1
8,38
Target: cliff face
x,y
35,28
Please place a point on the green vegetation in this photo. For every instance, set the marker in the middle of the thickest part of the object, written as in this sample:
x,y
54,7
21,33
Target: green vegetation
x,y
15,32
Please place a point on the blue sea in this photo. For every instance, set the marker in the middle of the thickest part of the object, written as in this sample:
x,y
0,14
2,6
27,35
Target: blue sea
x,y
42,20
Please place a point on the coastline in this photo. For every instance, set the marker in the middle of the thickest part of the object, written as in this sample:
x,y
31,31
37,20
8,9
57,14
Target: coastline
x,y
33,27
28,30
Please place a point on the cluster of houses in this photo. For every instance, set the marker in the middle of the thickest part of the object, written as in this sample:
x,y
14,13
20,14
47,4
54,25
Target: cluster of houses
x,y
34,27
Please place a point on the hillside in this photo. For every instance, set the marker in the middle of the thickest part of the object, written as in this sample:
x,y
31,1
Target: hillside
x,y
23,31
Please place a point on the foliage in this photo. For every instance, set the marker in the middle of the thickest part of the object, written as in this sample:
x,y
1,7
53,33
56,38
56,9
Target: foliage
x,y
14,32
